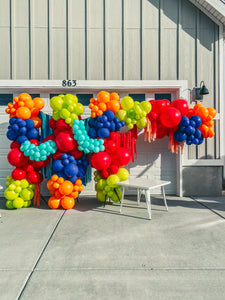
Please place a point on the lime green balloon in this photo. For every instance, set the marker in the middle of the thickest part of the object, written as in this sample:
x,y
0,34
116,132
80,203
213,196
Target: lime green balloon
x,y
101,184
123,174
110,194
9,204
146,106
18,202
27,203
121,114
79,109
56,103
64,113
27,194
56,115
112,180
130,126
69,99
12,187
100,196
117,195
127,103
131,114
137,108
24,183
18,189
32,186
107,188
142,123
10,195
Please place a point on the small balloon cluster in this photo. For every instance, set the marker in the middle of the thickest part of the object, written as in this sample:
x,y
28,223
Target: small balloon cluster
x,y
21,130
133,112
26,108
69,168
105,101
19,193
39,152
86,143
188,131
66,107
102,126
63,192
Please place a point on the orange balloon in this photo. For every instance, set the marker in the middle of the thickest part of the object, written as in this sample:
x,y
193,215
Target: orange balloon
x,y
78,182
92,100
49,184
91,105
74,195
211,133
60,180
15,99
197,106
20,103
56,185
102,106
23,113
209,123
95,108
58,194
81,188
75,188
99,113
114,106
66,187
67,202
103,97
54,202
37,122
114,96
212,111
24,97
54,177
204,130
202,112
93,114
39,103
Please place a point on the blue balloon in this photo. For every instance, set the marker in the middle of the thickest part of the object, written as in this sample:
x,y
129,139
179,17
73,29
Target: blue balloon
x,y
61,174
188,142
184,121
190,130
195,141
91,122
12,120
64,156
71,170
112,126
107,124
118,126
29,123
180,136
21,139
32,133
104,118
198,133
15,127
197,120
23,130
57,165
182,129
100,125
73,179
92,133
122,123
103,133
192,123
66,162
109,114
11,135
191,137
201,140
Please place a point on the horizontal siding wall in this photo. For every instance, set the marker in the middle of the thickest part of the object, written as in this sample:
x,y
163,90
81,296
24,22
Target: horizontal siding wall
x,y
112,39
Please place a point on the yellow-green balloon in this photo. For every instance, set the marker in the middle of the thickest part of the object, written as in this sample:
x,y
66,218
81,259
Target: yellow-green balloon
x,y
10,195
142,123
100,196
117,195
18,202
123,174
121,114
56,103
27,194
112,180
127,103
146,106
9,204
27,203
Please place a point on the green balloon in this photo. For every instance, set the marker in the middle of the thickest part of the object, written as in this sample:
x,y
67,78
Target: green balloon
x,y
142,123
121,115
79,109
131,114
101,184
10,195
56,115
18,202
123,174
130,126
146,106
107,188
56,103
9,204
70,99
127,103
117,195
137,108
112,180
26,194
64,113
27,203
101,197
12,187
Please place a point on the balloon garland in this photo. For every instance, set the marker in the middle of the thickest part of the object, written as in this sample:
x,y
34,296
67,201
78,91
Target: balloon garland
x,y
97,142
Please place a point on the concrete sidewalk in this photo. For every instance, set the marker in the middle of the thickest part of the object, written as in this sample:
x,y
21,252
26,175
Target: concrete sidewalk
x,y
94,252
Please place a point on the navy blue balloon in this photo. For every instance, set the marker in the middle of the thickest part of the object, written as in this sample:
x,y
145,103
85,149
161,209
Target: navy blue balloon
x,y
112,126
109,114
180,136
201,140
103,133
118,126
64,156
23,130
71,170
190,137
57,165
16,128
197,120
188,142
104,118
182,129
107,124
61,174
100,125
73,179
72,159
12,120
198,133
29,123
192,123
195,141
91,122
92,133
122,123
190,130
32,133
21,139
184,121
11,135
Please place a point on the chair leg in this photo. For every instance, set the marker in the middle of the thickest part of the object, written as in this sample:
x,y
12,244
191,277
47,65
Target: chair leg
x,y
148,202
121,203
138,196
164,197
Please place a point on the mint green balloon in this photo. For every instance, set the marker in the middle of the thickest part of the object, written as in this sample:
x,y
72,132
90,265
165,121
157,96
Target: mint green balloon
x,y
56,103
123,174
127,103
18,202
27,194
112,180
10,195
9,204
100,196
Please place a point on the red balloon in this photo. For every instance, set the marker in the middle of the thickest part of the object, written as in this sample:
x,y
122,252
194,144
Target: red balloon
x,y
76,153
121,157
171,117
49,138
18,174
110,146
40,164
33,177
104,174
14,144
153,115
62,125
160,106
64,141
28,167
161,131
101,160
35,142
17,158
52,123
115,136
181,105
113,169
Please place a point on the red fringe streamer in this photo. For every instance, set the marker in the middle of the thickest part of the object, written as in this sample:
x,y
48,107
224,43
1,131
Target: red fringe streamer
x,y
37,195
150,130
173,145
128,141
